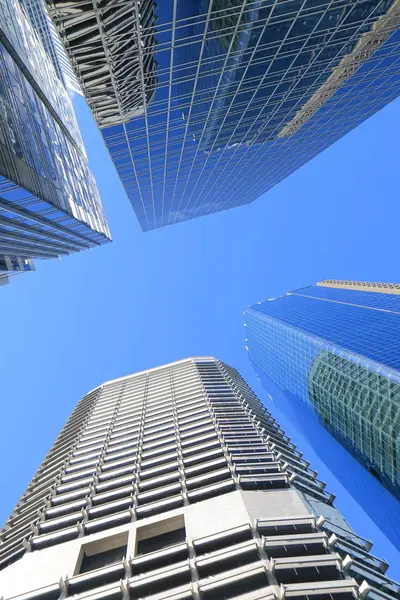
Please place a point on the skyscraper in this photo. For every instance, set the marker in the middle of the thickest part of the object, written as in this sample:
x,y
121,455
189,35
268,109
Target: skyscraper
x,y
40,20
111,47
13,265
334,349
49,203
224,99
176,483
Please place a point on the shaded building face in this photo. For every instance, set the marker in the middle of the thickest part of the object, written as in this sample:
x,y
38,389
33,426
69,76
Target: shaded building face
x,y
49,203
176,483
334,349
231,96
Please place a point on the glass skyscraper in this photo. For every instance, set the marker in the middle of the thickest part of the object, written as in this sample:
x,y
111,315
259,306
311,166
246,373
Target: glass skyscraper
x,y
49,203
207,104
176,483
13,265
40,20
334,349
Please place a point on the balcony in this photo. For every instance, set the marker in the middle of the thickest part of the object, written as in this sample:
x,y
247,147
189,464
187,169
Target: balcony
x,y
94,579
302,544
345,589
49,539
159,580
50,592
180,593
153,508
228,558
108,521
223,539
268,481
160,558
347,534
374,578
257,468
307,568
234,582
211,490
286,525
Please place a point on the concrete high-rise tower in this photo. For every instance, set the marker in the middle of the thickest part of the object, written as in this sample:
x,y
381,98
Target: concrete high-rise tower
x,y
207,104
175,483
334,349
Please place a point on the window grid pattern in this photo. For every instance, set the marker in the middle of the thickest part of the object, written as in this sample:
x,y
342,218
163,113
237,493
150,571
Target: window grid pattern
x,y
337,352
44,166
362,409
41,21
13,265
360,300
246,92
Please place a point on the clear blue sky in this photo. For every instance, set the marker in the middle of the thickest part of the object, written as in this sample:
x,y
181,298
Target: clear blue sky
x,y
148,299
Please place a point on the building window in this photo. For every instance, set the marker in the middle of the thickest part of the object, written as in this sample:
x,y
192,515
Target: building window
x,y
102,553
160,535
103,559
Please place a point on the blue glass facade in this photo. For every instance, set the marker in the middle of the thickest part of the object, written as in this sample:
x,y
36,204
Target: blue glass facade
x,y
40,20
241,112
246,93
335,353
13,265
49,203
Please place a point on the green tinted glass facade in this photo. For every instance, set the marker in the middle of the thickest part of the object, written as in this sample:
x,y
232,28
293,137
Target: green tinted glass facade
x,y
335,353
362,409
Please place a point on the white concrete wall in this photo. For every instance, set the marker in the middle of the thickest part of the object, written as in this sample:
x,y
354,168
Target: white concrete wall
x,y
214,515
267,504
45,567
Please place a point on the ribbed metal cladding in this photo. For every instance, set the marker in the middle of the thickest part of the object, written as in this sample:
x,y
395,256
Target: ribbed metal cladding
x,y
166,439
21,523
111,47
